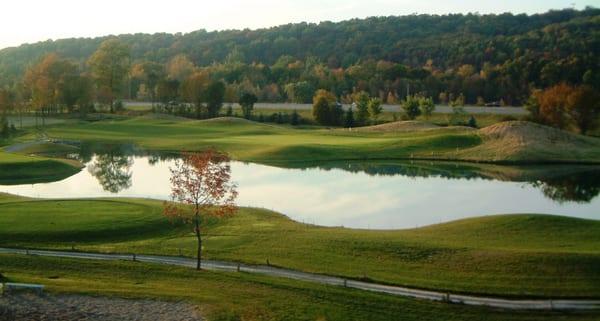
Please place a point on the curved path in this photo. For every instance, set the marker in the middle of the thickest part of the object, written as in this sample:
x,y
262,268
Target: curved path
x,y
511,304
442,109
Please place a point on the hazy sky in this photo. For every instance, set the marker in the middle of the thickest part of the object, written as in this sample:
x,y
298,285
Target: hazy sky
x,y
24,21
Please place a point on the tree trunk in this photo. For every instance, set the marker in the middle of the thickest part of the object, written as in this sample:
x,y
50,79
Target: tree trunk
x,y
199,237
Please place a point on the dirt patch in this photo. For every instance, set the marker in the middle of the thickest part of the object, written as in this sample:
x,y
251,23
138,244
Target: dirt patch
x,y
515,140
406,126
31,307
158,116
398,126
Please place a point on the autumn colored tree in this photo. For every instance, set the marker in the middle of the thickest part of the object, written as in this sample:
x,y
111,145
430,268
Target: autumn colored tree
x,y
110,67
180,67
45,82
150,73
326,110
195,89
200,186
552,104
583,106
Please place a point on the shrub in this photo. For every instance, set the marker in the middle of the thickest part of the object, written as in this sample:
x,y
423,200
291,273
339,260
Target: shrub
x,y
411,107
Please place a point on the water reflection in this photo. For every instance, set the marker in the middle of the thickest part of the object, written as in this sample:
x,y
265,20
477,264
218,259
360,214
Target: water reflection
x,y
113,172
355,194
562,183
578,187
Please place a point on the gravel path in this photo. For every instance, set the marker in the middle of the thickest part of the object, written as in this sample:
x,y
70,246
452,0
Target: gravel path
x,y
511,304
442,109
32,307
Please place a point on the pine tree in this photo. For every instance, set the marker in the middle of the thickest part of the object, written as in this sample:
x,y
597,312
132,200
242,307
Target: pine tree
x,y
349,121
295,118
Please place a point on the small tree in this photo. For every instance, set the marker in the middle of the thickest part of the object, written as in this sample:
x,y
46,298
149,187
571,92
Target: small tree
x,y
200,186
583,105
411,107
295,119
4,128
375,108
325,109
361,101
459,101
349,119
110,66
458,116
472,122
247,102
426,107
215,94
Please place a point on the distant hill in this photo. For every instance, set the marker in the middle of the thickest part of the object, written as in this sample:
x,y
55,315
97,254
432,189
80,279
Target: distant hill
x,y
525,50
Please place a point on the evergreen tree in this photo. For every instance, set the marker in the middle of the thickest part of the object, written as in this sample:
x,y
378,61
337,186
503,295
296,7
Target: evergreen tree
x,y
472,122
411,107
349,121
295,120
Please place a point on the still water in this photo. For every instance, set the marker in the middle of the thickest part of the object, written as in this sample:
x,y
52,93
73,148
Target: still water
x,y
371,195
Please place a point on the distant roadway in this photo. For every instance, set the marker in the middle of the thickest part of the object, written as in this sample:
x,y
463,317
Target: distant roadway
x,y
393,108
510,304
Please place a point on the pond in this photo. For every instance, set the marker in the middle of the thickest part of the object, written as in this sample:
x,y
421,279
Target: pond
x,y
372,195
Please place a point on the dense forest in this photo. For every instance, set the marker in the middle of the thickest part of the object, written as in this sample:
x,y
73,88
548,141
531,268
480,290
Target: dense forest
x,y
486,58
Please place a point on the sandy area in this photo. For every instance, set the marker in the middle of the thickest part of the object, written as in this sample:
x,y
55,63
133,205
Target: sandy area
x,y
46,307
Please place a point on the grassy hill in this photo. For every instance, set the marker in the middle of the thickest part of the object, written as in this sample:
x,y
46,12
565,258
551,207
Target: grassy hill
x,y
241,296
23,169
510,255
252,141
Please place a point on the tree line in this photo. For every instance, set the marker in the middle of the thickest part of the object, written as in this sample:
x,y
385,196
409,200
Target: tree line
x,y
498,59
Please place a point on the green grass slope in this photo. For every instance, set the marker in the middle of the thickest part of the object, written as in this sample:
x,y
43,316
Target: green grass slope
x,y
511,255
23,169
251,141
241,296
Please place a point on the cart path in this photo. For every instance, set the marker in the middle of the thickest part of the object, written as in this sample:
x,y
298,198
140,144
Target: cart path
x,y
510,304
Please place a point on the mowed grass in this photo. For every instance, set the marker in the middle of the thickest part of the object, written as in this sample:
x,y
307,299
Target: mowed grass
x,y
267,143
252,141
511,255
24,169
241,296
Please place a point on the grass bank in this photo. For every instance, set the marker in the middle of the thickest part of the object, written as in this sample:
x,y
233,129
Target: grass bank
x,y
26,169
510,255
251,141
240,296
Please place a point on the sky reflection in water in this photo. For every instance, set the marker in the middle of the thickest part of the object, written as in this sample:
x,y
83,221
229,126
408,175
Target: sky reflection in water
x,y
360,196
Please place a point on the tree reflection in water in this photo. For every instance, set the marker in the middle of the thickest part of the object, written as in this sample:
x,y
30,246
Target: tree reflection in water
x,y
580,188
560,183
113,171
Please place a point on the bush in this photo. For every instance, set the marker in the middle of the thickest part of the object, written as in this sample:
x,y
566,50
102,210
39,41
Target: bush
x,y
295,119
472,122
119,106
326,110
458,116
411,107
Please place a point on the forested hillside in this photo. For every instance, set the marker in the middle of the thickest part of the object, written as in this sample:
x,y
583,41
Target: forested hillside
x,y
484,57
